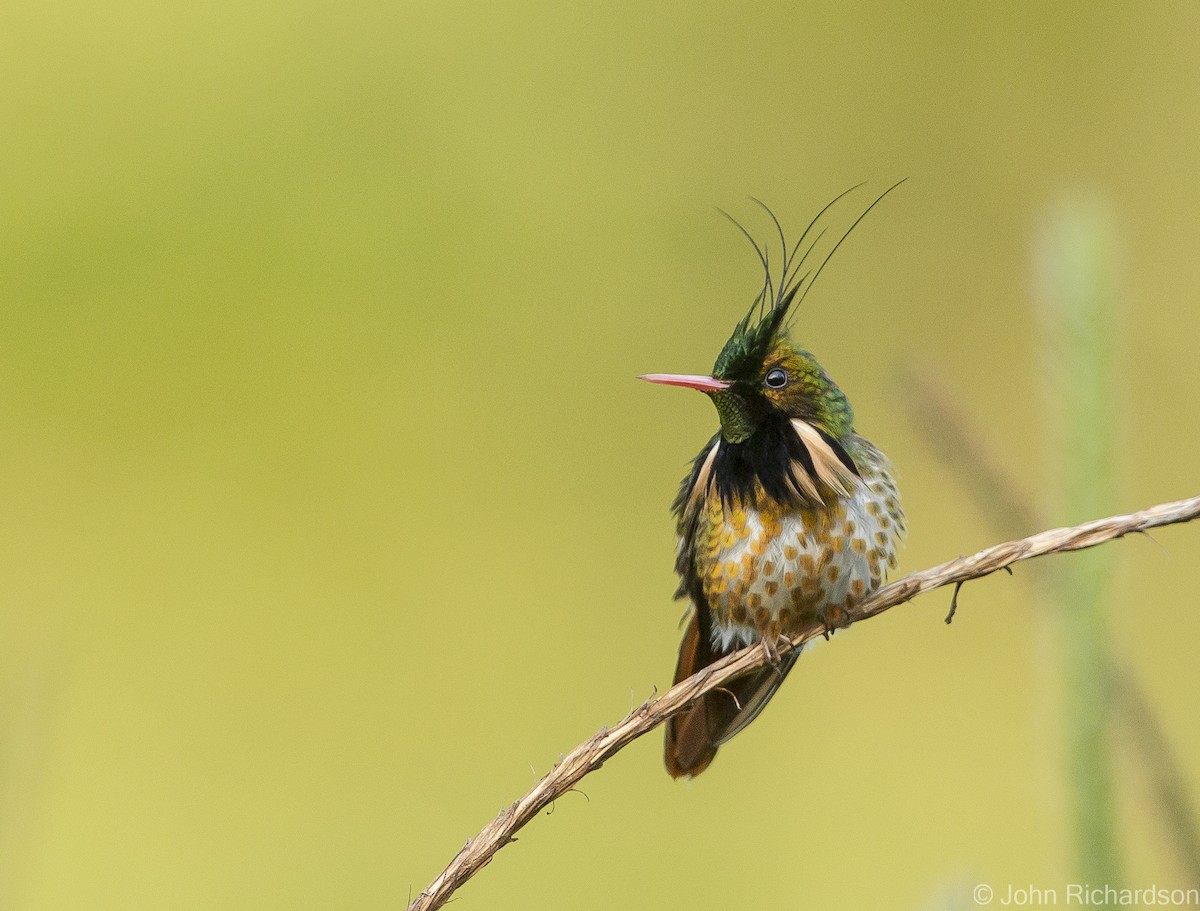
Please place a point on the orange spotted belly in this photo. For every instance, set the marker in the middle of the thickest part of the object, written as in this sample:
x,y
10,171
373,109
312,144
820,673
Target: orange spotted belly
x,y
771,569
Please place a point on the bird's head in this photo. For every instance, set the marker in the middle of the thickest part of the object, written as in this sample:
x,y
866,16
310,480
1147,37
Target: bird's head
x,y
784,421
760,372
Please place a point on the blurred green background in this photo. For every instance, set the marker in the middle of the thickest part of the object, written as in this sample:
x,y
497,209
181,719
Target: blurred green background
x,y
331,513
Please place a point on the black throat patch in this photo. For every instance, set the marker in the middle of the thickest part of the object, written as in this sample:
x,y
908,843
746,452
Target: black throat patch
x,y
768,458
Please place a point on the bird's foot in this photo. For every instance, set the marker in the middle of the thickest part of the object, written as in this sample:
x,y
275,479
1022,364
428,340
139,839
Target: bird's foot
x,y
833,617
770,643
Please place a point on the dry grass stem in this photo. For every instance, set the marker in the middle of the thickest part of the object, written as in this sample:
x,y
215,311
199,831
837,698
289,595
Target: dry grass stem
x,y
592,753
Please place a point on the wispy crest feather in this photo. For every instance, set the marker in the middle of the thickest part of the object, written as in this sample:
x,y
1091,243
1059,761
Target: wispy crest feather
x,y
754,335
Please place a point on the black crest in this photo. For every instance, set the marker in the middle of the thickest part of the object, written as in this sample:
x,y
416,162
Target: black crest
x,y
752,338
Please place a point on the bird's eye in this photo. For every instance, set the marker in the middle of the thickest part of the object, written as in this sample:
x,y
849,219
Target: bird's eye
x,y
776,378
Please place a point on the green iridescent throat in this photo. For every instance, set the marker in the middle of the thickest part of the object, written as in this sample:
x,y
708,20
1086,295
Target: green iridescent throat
x,y
737,426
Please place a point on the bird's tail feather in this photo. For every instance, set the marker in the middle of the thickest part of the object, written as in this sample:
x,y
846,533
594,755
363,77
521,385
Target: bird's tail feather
x,y
694,735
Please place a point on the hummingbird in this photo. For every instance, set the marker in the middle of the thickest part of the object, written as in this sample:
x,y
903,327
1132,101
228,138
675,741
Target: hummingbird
x,y
786,516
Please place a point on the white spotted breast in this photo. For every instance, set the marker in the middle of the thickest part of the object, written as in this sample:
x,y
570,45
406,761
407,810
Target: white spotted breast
x,y
767,568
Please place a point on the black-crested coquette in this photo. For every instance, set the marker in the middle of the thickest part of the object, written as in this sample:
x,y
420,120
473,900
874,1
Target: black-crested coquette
x,y
787,515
